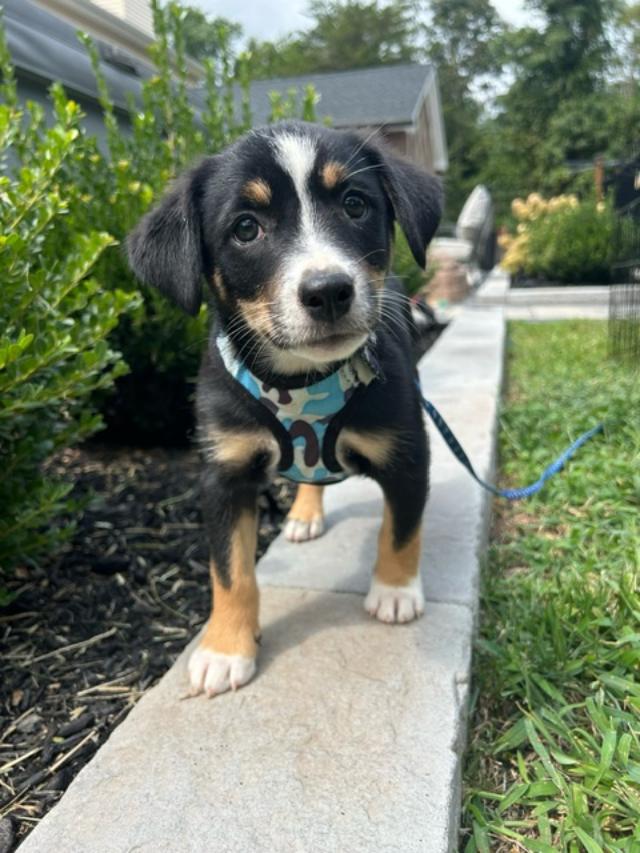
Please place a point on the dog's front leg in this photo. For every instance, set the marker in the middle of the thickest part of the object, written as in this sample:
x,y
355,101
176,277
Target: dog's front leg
x,y
226,656
396,588
396,593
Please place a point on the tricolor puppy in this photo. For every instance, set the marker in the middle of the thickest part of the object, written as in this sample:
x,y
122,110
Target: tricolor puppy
x,y
308,372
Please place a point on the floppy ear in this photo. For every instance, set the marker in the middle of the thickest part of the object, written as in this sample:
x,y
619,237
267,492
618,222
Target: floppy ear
x,y
166,250
416,198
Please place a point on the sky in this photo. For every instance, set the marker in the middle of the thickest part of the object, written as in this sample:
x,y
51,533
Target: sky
x,y
271,19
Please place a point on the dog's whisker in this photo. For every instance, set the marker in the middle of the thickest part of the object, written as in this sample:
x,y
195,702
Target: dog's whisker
x,y
365,141
364,169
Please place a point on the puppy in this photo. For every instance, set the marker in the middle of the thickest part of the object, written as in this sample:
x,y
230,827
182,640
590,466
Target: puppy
x,y
308,371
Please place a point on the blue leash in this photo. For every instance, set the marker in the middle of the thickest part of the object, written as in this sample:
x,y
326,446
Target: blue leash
x,y
509,494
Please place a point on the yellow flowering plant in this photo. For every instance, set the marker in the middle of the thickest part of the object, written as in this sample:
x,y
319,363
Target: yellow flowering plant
x,y
560,239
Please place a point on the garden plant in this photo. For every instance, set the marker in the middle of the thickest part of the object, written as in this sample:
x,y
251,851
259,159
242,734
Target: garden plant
x,y
561,239
55,318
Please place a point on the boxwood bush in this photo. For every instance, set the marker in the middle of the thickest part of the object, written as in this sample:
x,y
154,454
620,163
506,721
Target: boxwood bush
x,y
54,317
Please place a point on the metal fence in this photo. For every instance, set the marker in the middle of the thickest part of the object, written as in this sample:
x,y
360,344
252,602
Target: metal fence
x,y
624,293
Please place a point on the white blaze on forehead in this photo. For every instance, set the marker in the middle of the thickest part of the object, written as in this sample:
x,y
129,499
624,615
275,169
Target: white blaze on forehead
x,y
296,155
313,248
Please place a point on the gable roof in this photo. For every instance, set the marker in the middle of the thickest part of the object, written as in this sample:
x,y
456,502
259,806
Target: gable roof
x,y
388,94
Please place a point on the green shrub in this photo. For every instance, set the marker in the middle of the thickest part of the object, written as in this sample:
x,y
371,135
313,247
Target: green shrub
x,y
561,239
54,319
404,265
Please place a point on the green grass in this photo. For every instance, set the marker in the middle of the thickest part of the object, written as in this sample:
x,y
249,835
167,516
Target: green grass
x,y
554,749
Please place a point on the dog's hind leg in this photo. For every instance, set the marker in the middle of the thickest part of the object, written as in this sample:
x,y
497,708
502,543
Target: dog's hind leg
x,y
306,517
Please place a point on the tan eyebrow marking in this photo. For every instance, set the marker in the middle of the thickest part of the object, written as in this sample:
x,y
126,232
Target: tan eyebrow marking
x,y
332,173
258,191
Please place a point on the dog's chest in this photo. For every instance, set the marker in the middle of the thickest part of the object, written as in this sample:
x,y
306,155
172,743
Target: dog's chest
x,y
305,414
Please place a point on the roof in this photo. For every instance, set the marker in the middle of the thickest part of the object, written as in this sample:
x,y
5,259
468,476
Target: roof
x,y
388,94
45,46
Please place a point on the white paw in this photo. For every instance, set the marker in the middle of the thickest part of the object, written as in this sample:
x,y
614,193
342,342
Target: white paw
x,y
301,531
395,603
214,673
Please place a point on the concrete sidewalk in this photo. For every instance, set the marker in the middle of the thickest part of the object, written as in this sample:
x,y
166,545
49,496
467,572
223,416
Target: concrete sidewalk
x,y
543,303
351,736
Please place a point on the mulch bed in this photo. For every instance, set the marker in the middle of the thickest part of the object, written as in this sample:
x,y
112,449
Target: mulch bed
x,y
91,630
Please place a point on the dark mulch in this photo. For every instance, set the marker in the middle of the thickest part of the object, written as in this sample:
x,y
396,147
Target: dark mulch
x,y
90,631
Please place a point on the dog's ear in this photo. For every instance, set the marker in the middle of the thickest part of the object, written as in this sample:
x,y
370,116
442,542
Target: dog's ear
x,y
166,250
416,198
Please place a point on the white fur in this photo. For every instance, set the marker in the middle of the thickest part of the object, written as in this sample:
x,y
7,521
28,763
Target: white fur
x,y
395,603
313,251
302,531
303,359
212,673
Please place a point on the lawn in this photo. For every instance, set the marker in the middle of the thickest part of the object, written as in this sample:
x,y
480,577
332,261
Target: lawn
x,y
554,742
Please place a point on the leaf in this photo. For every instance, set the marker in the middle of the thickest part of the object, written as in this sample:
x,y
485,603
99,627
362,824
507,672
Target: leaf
x,y
541,750
590,845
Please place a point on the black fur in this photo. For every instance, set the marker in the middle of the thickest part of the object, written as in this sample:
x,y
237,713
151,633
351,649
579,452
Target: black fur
x,y
189,237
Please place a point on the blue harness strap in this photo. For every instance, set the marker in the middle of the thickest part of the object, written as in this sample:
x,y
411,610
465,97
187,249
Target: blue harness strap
x,y
510,494
306,413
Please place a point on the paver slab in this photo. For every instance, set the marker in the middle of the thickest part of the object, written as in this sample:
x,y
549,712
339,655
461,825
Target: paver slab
x,y
348,739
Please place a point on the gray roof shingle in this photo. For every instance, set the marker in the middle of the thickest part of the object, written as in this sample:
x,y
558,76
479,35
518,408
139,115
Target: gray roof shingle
x,y
365,97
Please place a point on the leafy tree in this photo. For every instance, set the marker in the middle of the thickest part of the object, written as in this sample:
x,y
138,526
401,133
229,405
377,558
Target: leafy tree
x,y
464,42
356,34
562,104
345,34
466,36
203,36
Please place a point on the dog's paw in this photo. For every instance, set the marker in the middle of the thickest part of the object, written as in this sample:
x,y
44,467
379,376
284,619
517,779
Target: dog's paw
x,y
297,530
395,603
212,672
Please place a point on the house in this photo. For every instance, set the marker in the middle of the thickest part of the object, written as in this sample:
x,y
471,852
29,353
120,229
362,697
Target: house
x,y
44,47
402,101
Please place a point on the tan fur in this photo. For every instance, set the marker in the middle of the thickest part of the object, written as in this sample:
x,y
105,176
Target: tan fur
x,y
307,505
375,275
235,449
257,315
376,446
218,285
332,173
396,566
258,191
233,627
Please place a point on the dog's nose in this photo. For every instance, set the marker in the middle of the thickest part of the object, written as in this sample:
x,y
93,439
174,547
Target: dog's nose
x,y
327,296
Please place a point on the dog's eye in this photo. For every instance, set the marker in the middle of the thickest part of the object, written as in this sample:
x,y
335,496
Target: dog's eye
x,y
355,206
246,229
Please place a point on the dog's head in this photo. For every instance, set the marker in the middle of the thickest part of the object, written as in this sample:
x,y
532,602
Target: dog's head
x,y
292,228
